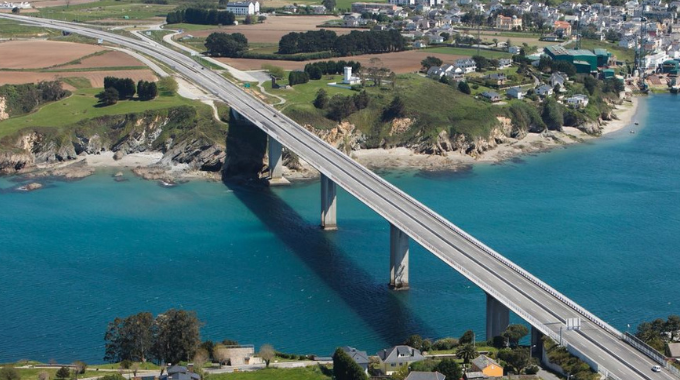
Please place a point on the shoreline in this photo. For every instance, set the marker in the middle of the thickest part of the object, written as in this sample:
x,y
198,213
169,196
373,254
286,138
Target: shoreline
x,y
378,159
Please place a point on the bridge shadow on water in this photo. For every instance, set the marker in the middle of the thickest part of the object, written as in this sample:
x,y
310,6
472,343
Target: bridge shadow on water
x,y
381,308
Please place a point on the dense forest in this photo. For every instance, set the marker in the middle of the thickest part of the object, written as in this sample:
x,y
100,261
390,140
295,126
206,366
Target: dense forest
x,y
201,17
356,42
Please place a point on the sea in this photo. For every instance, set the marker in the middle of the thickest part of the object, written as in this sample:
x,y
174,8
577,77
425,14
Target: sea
x,y
599,221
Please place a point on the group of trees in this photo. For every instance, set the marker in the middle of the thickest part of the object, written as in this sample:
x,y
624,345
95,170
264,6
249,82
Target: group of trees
x,y
169,337
340,107
226,45
116,89
345,368
201,17
658,332
307,42
24,98
356,42
317,69
297,77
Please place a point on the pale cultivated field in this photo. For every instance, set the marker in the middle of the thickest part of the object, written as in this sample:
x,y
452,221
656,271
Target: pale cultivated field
x,y
401,62
58,3
108,59
95,77
39,54
273,28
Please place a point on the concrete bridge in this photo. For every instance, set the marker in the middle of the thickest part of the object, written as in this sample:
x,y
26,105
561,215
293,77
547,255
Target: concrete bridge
x,y
508,287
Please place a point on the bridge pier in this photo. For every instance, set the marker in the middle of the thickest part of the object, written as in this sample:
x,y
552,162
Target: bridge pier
x,y
328,204
497,317
275,153
398,259
536,343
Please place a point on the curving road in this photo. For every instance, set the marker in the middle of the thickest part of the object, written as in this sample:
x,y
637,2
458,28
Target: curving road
x,y
540,305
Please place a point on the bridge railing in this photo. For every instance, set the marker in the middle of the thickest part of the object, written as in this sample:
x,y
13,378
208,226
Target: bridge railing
x,y
643,347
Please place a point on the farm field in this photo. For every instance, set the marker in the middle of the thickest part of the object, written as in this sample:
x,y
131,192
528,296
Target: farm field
x,y
33,61
39,54
11,29
399,62
109,12
468,52
269,31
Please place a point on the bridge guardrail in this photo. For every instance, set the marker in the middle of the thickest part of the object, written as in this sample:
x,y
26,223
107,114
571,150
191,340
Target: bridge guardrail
x,y
645,348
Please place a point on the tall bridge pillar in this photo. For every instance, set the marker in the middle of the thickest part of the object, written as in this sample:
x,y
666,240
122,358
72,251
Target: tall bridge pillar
x,y
398,259
497,317
328,204
536,343
275,162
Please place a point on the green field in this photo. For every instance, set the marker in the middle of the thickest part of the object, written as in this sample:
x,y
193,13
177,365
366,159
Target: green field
x,y
308,373
106,9
83,105
306,93
32,373
12,29
469,52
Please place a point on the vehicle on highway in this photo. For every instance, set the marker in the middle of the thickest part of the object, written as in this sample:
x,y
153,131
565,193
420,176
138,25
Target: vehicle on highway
x,y
656,368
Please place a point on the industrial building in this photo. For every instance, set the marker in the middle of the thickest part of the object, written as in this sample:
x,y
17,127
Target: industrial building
x,y
585,61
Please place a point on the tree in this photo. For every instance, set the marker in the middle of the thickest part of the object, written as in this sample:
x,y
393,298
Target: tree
x,y
44,375
449,368
329,4
430,61
221,354
146,90
396,109
344,368
340,107
297,77
108,97
16,10
267,353
466,352
590,84
129,339
63,373
552,115
464,87
124,86
467,337
9,373
513,333
518,358
167,86
495,42
415,341
176,336
226,45
481,62
135,367
79,368
321,100
361,100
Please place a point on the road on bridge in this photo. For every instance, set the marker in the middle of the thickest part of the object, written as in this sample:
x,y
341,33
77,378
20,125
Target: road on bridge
x,y
531,299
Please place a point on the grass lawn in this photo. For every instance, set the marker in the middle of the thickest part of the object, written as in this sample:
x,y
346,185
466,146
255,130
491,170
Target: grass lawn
x,y
469,52
106,9
10,29
32,373
308,373
306,93
142,366
83,105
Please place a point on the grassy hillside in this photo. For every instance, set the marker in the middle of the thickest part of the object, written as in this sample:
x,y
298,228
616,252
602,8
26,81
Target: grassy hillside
x,y
308,373
433,105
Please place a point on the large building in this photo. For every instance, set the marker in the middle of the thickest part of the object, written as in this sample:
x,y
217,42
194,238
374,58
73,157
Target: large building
x,y
244,8
508,23
585,61
562,29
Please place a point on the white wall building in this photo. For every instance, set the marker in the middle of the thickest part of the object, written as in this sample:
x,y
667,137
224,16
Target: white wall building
x,y
244,7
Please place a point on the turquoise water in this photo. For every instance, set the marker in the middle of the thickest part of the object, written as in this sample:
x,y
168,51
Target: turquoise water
x,y
598,221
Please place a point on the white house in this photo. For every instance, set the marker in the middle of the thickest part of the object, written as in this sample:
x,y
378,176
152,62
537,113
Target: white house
x,y
544,90
578,100
467,65
514,49
244,7
515,92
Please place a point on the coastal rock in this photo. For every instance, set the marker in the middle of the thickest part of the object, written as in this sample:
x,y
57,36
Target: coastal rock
x,y
143,135
11,163
344,136
153,173
198,154
592,128
118,155
33,186
400,126
90,145
3,109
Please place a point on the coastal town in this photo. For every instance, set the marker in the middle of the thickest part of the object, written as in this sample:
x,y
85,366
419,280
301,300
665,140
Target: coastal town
x,y
173,91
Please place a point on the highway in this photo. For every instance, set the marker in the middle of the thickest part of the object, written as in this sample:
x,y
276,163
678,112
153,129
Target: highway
x,y
531,299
